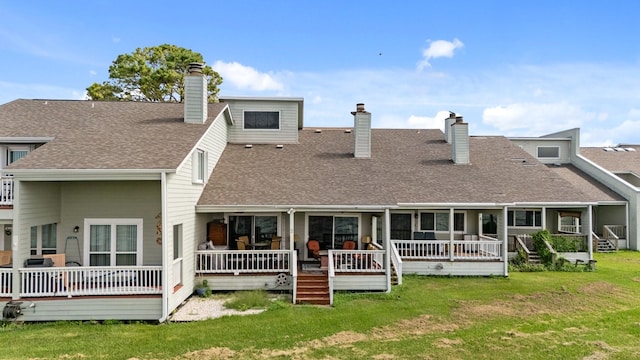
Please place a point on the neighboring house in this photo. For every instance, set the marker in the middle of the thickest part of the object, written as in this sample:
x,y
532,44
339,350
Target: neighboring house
x,y
136,203
608,170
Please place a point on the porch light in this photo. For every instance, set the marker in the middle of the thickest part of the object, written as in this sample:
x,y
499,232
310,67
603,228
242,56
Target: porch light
x,y
76,229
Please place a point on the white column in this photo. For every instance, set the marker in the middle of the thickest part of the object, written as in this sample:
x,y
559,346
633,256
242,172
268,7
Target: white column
x,y
590,233
387,246
167,245
17,259
291,213
505,232
543,219
451,224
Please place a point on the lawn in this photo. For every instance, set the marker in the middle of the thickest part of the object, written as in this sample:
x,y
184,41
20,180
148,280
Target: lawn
x,y
541,315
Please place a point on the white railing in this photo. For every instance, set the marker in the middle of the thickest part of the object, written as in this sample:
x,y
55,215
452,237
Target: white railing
x,y
440,249
6,190
294,276
5,282
396,262
613,233
94,280
360,261
331,273
242,261
570,229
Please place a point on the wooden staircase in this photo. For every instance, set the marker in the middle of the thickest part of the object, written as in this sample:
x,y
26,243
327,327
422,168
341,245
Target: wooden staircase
x,y
534,258
313,288
605,246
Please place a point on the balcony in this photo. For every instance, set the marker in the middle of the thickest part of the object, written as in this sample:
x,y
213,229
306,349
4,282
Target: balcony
x,y
6,190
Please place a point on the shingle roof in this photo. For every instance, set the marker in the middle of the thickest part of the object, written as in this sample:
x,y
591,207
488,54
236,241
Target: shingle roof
x,y
102,135
615,161
585,183
407,166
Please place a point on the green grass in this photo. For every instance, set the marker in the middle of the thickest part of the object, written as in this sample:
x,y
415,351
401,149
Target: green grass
x,y
530,315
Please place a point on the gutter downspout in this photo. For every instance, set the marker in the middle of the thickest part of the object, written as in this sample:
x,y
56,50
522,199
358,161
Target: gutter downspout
x,y
387,246
165,248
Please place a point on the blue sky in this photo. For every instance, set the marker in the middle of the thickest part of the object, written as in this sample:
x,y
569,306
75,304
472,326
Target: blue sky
x,y
514,68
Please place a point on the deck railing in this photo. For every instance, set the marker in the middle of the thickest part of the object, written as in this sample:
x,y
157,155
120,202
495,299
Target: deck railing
x,y
94,280
613,233
5,282
358,261
570,229
242,261
442,249
6,190
396,262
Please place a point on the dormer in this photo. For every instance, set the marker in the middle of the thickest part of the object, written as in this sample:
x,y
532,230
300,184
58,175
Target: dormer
x,y
264,120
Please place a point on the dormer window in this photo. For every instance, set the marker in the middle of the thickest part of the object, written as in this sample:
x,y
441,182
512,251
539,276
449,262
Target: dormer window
x,y
548,152
261,120
15,153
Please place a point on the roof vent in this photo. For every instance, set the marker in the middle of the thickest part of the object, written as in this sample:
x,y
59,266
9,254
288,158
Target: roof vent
x,y
279,146
630,149
318,131
607,149
619,149
248,146
347,131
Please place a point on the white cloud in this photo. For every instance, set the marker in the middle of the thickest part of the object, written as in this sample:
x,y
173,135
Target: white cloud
x,y
536,118
437,49
93,72
245,77
425,122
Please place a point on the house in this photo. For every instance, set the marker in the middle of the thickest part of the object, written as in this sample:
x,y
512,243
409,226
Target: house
x,y
116,210
612,170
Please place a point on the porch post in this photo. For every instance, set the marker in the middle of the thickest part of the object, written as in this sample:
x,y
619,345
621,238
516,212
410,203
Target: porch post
x,y
15,241
590,233
451,229
544,218
167,259
387,246
291,212
505,241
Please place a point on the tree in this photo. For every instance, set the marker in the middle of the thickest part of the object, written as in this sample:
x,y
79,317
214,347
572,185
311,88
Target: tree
x,y
153,74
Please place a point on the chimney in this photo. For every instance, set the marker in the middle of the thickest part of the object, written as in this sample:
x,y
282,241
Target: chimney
x,y
195,95
460,141
447,126
362,130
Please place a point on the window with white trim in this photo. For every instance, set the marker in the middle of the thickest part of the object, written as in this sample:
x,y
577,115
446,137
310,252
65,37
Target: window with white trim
x,y
113,242
524,218
15,153
199,166
439,221
261,120
548,152
44,239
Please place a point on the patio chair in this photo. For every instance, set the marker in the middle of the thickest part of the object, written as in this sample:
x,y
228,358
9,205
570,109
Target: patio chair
x,y
275,244
241,245
314,248
349,245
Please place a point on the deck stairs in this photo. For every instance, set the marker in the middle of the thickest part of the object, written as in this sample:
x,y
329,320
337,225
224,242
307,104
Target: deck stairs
x,y
313,288
394,275
605,246
534,258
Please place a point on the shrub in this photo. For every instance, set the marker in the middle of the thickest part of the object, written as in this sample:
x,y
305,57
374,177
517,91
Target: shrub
x,y
543,251
564,244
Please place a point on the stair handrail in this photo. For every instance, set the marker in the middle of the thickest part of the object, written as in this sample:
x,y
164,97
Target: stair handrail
x,y
520,244
294,274
608,234
396,261
331,275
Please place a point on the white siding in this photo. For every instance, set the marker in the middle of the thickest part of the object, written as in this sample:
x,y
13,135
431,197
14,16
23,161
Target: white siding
x,y
110,199
182,196
360,282
287,134
456,268
123,308
39,204
253,282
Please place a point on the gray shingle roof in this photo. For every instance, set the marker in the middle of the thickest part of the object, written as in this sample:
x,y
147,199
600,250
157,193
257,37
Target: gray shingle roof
x,y
102,135
585,183
407,166
615,161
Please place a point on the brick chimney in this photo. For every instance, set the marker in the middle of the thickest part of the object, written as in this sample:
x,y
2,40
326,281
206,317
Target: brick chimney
x,y
195,95
362,130
447,126
460,141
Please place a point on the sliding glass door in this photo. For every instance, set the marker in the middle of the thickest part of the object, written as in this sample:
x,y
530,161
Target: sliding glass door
x,y
332,231
258,228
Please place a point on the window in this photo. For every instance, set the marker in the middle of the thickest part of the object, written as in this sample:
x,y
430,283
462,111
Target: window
x,y
44,239
199,166
401,226
524,218
264,120
16,153
177,255
260,228
439,221
332,231
548,152
113,242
